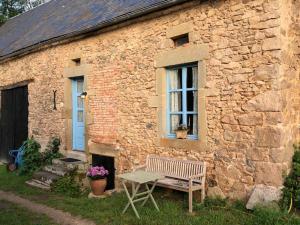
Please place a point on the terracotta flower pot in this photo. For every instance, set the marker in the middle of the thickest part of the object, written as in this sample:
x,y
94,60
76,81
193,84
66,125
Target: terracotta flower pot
x,y
98,186
181,134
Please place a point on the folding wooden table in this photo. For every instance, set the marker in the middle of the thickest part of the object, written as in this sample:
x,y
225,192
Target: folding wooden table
x,y
137,179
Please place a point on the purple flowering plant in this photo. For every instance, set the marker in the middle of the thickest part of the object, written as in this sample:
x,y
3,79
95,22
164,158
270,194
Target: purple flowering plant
x,y
96,172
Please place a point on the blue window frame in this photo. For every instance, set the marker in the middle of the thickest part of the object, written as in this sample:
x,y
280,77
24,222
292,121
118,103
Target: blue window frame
x,y
182,99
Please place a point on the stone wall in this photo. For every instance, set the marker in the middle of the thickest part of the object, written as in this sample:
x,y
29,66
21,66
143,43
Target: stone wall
x,y
251,106
289,83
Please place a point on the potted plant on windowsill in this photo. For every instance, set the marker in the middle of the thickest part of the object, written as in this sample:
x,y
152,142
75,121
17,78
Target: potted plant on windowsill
x,y
98,180
182,131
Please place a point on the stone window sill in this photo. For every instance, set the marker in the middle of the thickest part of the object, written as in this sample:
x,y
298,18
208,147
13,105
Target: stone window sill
x,y
182,143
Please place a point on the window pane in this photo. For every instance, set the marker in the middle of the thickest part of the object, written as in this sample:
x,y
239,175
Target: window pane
x,y
192,121
192,77
79,86
79,102
175,121
175,102
192,101
79,116
176,79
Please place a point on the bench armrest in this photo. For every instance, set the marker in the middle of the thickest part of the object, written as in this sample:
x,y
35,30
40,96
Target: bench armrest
x,y
142,167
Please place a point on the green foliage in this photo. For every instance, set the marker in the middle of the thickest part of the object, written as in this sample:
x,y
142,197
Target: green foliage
x,y
266,216
52,151
32,158
67,185
215,202
11,8
172,211
291,188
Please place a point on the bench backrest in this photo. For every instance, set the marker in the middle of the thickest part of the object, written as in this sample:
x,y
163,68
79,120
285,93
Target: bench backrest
x,y
170,167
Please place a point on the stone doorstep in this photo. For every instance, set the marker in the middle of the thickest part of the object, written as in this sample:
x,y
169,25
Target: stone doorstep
x,y
71,165
57,169
77,155
60,162
82,166
38,184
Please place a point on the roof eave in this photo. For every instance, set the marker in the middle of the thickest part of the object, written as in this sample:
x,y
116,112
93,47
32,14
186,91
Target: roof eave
x,y
82,33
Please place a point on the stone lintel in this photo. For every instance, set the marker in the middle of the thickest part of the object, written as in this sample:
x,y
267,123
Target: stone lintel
x,y
77,71
103,149
180,55
17,84
179,30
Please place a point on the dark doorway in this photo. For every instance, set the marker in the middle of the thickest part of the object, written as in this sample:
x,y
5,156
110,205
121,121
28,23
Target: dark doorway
x,y
13,120
109,164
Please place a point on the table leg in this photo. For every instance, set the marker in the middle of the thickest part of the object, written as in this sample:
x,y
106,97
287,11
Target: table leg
x,y
132,192
150,195
130,198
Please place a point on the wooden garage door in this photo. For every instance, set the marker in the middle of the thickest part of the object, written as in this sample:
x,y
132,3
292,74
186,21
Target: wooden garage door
x,y
14,120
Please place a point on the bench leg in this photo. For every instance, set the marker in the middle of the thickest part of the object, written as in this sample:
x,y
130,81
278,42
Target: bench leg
x,y
202,194
190,200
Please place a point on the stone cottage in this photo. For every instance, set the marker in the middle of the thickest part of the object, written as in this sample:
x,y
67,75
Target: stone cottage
x,y
114,79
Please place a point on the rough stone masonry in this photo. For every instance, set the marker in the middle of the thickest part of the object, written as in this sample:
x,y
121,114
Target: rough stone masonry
x,y
252,89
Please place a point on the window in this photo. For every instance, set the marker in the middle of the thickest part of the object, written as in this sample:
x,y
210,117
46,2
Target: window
x,y
182,99
181,40
77,61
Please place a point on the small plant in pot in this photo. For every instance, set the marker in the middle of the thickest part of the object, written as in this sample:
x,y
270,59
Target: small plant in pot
x,y
182,131
98,180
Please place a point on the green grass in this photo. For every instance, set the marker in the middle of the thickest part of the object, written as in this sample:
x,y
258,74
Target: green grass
x,y
173,210
11,214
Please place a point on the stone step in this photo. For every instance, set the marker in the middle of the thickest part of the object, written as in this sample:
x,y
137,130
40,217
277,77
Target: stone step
x,y
38,184
57,169
45,177
70,163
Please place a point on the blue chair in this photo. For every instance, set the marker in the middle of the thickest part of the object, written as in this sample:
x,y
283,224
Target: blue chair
x,y
18,155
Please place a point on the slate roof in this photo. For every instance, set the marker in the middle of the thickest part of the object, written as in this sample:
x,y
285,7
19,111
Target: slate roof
x,y
61,19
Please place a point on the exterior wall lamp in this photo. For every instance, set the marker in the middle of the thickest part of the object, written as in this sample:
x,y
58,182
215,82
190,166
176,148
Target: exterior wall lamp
x,y
83,95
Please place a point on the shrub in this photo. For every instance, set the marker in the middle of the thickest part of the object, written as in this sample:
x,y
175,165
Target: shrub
x,y
67,185
32,158
268,216
291,190
52,151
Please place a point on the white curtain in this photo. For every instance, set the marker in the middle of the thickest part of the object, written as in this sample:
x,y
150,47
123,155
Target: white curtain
x,y
175,99
195,77
195,123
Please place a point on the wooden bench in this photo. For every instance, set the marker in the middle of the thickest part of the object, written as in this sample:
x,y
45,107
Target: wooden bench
x,y
182,175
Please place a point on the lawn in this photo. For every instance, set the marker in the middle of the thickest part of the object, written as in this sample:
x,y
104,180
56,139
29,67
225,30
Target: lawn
x,y
11,214
173,209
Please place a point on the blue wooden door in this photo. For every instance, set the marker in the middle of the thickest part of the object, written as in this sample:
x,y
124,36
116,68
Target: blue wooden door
x,y
78,114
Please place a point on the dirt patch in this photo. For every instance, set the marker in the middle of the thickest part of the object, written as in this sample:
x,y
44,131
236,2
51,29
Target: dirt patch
x,y
40,198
